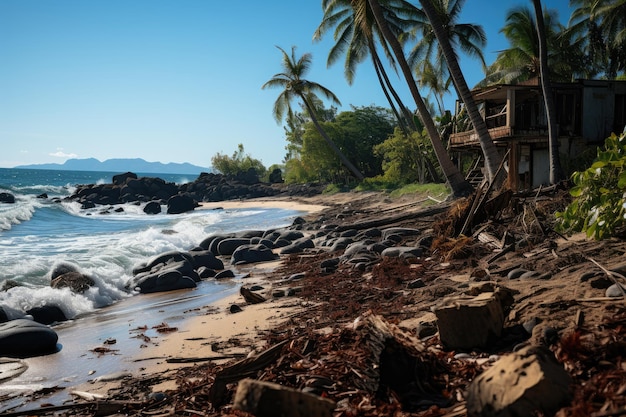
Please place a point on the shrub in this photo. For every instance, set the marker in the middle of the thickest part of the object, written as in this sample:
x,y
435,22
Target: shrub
x,y
599,206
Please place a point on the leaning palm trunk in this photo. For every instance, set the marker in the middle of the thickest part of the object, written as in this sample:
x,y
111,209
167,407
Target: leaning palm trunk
x,y
492,157
408,117
556,173
457,183
329,141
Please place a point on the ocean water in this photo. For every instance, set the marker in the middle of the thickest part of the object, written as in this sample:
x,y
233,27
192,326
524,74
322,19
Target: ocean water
x,y
37,233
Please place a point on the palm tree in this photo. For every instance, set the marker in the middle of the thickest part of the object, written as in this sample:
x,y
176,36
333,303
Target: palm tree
x,y
426,55
601,24
520,62
492,158
295,86
355,35
553,140
457,183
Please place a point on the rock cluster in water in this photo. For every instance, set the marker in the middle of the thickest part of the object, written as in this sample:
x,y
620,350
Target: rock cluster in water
x,y
179,198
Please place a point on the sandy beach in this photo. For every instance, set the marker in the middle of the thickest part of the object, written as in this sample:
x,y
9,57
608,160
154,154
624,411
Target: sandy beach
x,y
100,351
166,359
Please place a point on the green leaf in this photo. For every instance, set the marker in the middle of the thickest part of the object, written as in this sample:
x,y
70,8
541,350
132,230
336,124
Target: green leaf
x,y
575,191
621,181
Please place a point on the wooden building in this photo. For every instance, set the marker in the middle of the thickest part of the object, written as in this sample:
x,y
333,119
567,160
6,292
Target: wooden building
x,y
587,112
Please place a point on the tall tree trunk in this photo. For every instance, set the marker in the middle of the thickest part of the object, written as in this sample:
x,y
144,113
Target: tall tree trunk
x,y
408,116
556,173
330,142
457,183
492,157
379,74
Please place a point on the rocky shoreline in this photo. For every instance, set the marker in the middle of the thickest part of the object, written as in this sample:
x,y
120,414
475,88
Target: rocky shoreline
x,y
400,314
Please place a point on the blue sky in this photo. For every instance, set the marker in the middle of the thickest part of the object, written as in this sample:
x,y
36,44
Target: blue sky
x,y
170,80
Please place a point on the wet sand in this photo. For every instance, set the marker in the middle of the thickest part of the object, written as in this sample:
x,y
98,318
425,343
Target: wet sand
x,y
137,335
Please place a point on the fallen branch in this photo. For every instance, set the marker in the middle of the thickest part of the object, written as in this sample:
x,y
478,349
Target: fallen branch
x,y
245,368
204,359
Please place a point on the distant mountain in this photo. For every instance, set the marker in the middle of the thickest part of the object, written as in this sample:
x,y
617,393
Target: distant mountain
x,y
120,165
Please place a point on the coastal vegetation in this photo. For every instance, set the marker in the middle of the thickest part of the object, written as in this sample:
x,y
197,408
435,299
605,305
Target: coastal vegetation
x,y
599,206
422,41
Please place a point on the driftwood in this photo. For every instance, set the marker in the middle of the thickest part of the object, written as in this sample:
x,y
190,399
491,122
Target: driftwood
x,y
470,322
393,219
251,297
266,399
245,368
203,359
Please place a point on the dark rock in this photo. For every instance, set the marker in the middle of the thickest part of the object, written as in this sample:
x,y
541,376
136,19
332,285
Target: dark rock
x,y
228,246
375,232
227,273
298,246
168,280
330,263
214,246
400,231
121,179
75,281
43,196
356,248
298,220
281,243
153,207
205,259
47,314
7,198
181,203
341,244
168,257
248,177
204,272
234,308
252,254
291,235
516,273
249,234
262,241
276,176
349,233
62,268
403,252
23,337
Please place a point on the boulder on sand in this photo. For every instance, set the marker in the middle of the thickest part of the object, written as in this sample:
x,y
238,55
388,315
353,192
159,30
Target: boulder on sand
x,y
246,254
24,337
168,280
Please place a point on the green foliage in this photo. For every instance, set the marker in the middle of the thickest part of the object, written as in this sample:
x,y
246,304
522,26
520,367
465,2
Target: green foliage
x,y
434,190
332,189
404,157
396,190
355,132
599,206
239,162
